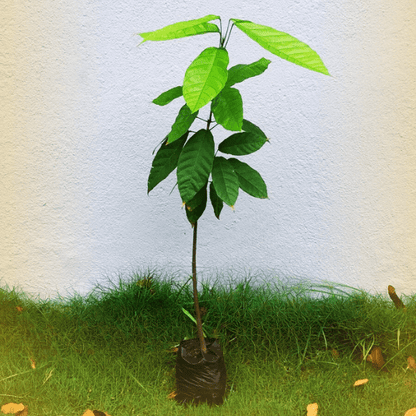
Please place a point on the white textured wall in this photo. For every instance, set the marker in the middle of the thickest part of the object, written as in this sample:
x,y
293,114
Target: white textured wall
x,y
78,129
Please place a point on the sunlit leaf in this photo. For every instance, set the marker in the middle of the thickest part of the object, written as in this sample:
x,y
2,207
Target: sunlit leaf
x,y
182,123
165,161
182,29
168,96
241,72
227,108
205,77
195,164
283,45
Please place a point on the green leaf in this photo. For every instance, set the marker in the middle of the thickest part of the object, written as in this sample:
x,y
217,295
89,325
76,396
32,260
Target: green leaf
x,y
195,164
252,128
239,73
225,181
165,161
216,201
242,144
168,96
182,123
249,179
283,45
227,108
205,77
196,206
182,29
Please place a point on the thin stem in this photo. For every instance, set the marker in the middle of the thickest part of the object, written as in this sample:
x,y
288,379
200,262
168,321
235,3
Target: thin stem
x,y
221,38
194,281
229,34
196,303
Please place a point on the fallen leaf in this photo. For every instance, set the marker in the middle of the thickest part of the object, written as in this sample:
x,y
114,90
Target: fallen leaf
x,y
172,395
396,300
411,412
312,409
12,408
412,363
23,412
360,382
376,358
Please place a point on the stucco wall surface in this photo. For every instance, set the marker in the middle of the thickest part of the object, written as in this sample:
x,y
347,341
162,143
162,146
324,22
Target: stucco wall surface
x,y
78,131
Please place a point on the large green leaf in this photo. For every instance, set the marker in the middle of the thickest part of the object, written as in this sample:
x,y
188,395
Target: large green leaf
x,y
241,143
182,123
252,128
227,108
205,77
196,206
225,181
239,73
216,201
249,179
195,164
168,96
283,45
165,161
182,29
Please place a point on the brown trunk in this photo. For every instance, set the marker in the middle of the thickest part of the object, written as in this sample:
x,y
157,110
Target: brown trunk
x,y
196,303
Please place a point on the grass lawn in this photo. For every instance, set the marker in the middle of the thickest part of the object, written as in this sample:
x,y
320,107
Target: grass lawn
x,y
284,348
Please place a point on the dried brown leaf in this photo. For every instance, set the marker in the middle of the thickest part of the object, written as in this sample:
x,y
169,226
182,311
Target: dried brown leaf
x,y
312,409
412,363
360,382
12,408
396,300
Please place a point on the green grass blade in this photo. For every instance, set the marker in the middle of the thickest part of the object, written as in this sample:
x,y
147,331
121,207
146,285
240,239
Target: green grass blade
x,y
240,73
227,108
249,179
165,161
182,29
205,77
182,123
168,96
283,45
192,318
195,164
225,181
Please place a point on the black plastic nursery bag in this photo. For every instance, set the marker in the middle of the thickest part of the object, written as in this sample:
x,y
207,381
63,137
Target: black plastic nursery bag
x,y
200,377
